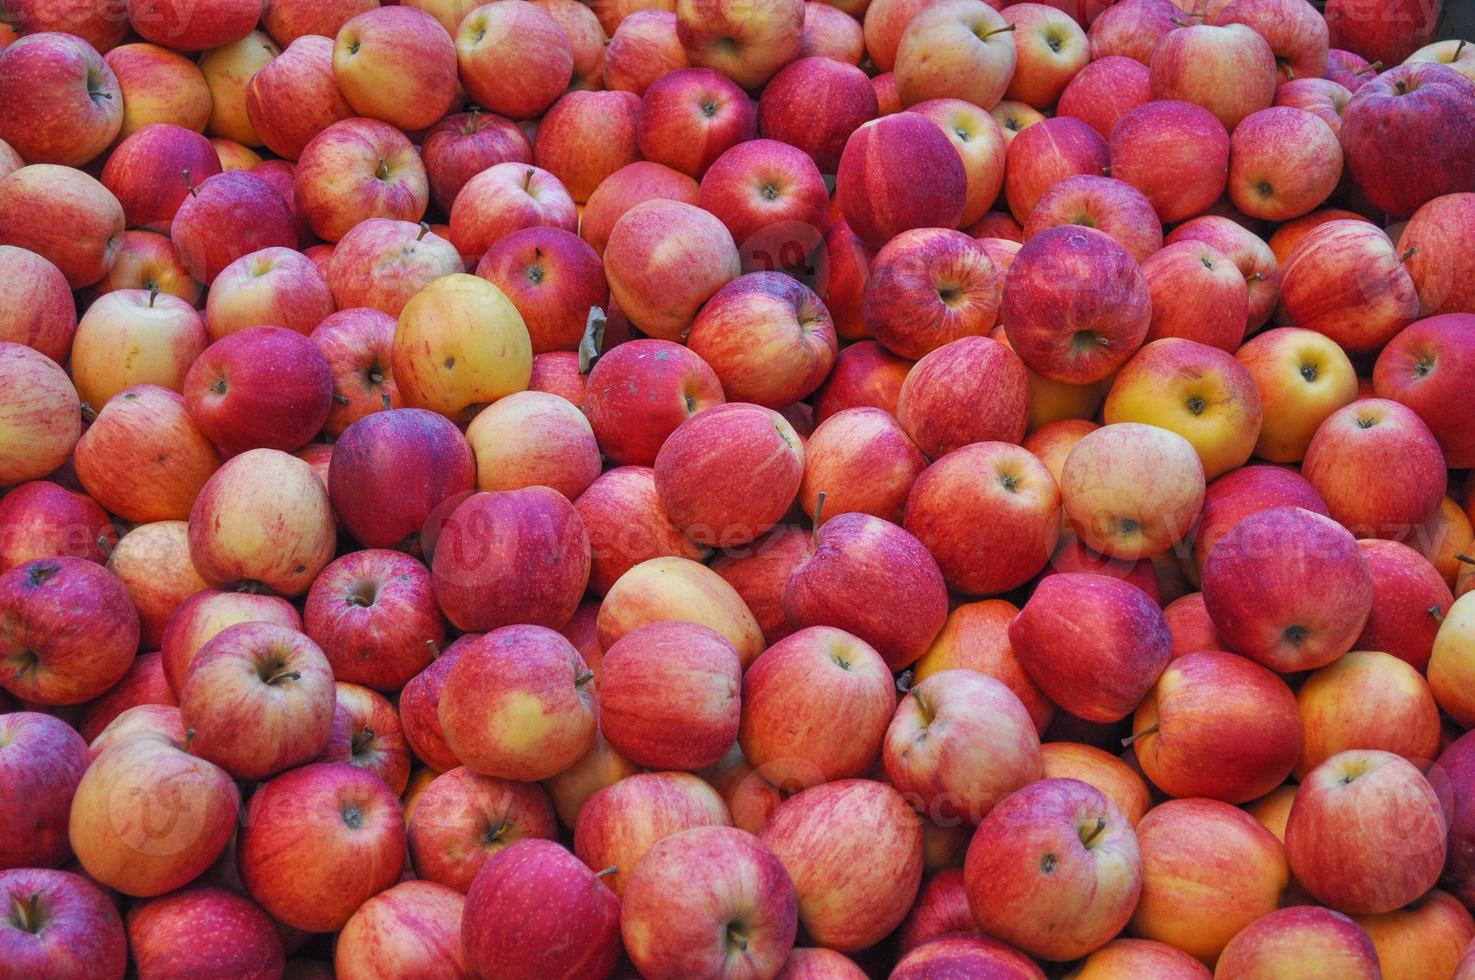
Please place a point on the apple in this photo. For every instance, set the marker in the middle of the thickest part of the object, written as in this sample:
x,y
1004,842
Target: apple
x,y
1447,666
419,707
38,309
357,169
263,518
661,288
1132,490
412,927
295,96
587,41
959,744
287,20
968,955
57,922
1050,50
750,797
1410,600
958,50
1198,391
1428,937
260,387
586,136
668,696
205,614
133,337
460,345
1367,701
1322,97
461,146
43,519
484,547
1129,633
1228,69
627,525
1110,206
144,684
673,588
865,375
225,217
1387,37
557,373
1302,376
863,461
1289,936
1208,870
1368,434
40,417
1253,257
1174,152
1253,581
1076,306
59,101
1056,851
382,263
1458,55
1283,163
1297,37
815,103
534,910
366,733
826,828
506,198
64,216
1197,294
518,80
376,51
158,86
245,941
42,760
133,835
278,287
1046,153
989,515
1366,833
899,173
357,342
941,908
708,900
319,841
227,70
145,260
237,156
746,43
729,473
1132,29
759,572
1246,491
1141,958
855,559
518,666
771,198
152,561
642,48
143,173
928,287
373,613
619,824
691,116
463,820
1104,91
553,278
534,439
1255,741
1438,267
1412,371
1346,279
632,184
1394,117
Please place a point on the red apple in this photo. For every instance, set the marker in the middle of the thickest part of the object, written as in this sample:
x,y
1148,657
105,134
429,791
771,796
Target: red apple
x,y
145,261
967,955
203,615
374,615
1175,153
1287,937
356,343
59,923
865,828
928,287
1244,492
1283,163
627,525
1410,599
1250,254
514,60
1297,36
1046,153
225,217
36,307
277,287
772,199
1366,436
419,708
357,169
1420,366
1387,34
461,146
507,198
898,173
862,460
396,64
1106,90
1110,206
557,373
244,940
553,278
59,101
319,841
1132,29
1197,294
144,684
1440,269
1076,306
632,184
463,820
143,173
536,910
586,136
412,928
815,104
1229,70
262,387
690,116
1054,869
660,287
532,438
41,762
366,733
64,216
42,519
295,97
865,375
1322,97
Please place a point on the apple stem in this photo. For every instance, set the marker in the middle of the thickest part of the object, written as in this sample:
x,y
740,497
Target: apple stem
x,y
1255,277
1100,826
1408,254
1375,67
105,545
153,293
613,868
25,911
89,413
584,678
904,682
193,192
527,180
1181,22
1437,614
364,739
819,509
1142,734
1290,73
999,30
424,230
741,942
284,675
1465,558
249,587
340,398
922,704
1458,48
434,648
382,171
387,403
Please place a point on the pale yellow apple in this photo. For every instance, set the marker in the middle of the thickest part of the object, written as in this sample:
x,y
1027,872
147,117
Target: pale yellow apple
x,y
228,71
1302,376
1451,670
131,337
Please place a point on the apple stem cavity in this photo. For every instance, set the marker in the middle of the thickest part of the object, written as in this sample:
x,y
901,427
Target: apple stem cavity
x,y
27,913
362,740
1090,838
1142,734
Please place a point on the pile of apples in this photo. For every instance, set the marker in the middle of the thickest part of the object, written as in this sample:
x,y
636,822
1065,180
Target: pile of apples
x,y
736,489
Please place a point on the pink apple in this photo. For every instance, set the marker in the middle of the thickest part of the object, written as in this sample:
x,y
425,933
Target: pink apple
x,y
1286,937
516,79
815,104
41,762
225,217
461,146
144,684
586,136
463,820
382,263
1389,37
1104,91
413,927
1254,259
928,287
274,287
642,47
862,460
158,86
36,307
1245,492
507,198
366,733
143,173
1229,70
1410,599
898,173
43,519
661,287
64,216
58,922
1175,153
374,615
1322,97
1132,29
1439,268
1297,36
690,116
1110,206
986,375
1046,153
245,941
357,169
759,573
1197,294
59,101
205,614
295,96
1426,358
1283,163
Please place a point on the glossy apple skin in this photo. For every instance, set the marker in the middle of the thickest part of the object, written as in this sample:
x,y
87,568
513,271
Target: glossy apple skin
x,y
519,81
1127,630
165,935
1366,833
1104,91
525,905
1280,186
1111,206
1072,281
373,613
411,928
1428,938
70,631
83,934
464,819
382,264
396,65
1228,69
792,696
772,199
669,696
1425,361
1246,491
130,337
1018,893
1253,582
899,173
116,824
1439,268
1142,958
225,217
989,376
247,711
865,375
506,198
339,829
1346,279
815,104
941,908
1175,153
825,828
42,519
1219,706
260,388
59,101
357,345
1365,436
1208,870
1414,111
63,215
1407,592
366,734
518,666
384,510
143,173
338,183
928,287
701,879
660,287
1197,294
42,760
38,309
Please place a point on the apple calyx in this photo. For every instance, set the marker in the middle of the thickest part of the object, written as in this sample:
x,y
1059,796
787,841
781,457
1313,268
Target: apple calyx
x,y
1149,730
27,913
39,575
190,184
